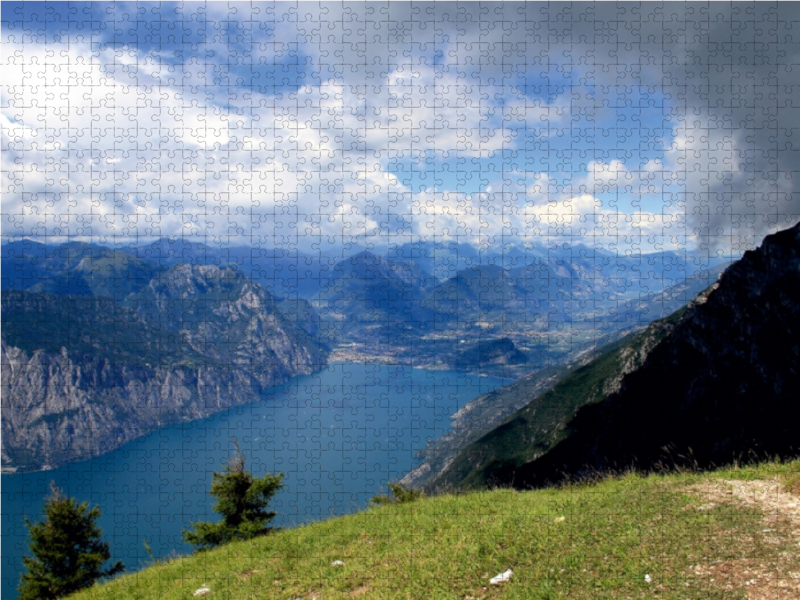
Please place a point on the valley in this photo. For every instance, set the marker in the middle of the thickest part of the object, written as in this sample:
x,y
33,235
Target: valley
x,y
487,380
714,383
100,345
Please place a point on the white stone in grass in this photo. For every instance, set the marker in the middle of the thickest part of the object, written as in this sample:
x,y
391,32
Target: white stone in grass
x,y
202,591
648,579
502,577
337,563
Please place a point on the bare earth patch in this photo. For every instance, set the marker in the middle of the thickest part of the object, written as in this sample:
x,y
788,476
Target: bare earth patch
x,y
767,566
359,591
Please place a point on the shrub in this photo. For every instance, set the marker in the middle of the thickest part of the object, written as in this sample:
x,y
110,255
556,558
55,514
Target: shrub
x,y
400,494
242,501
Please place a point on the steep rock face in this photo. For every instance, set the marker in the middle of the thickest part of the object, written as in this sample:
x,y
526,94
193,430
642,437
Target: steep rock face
x,y
59,408
724,385
197,340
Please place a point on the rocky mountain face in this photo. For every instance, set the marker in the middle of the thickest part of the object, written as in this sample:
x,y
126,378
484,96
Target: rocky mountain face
x,y
724,385
82,376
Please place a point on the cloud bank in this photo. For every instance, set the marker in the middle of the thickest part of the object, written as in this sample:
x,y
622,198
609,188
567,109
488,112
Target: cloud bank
x,y
316,126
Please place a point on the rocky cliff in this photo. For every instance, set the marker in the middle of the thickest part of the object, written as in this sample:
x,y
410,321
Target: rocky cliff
x,y
81,376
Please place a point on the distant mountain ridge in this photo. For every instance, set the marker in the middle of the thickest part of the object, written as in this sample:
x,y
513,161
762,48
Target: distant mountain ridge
x,y
74,268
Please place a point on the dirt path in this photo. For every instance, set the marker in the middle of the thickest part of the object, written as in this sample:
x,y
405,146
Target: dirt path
x,y
767,566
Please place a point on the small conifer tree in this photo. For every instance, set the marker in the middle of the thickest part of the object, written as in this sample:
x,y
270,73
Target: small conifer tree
x,y
242,501
68,553
400,494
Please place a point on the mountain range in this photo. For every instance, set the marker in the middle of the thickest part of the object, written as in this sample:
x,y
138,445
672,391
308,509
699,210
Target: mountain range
x,y
95,337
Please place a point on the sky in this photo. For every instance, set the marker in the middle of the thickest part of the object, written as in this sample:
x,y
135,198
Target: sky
x,y
318,126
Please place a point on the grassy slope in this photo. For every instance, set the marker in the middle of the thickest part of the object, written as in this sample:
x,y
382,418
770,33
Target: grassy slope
x,y
613,534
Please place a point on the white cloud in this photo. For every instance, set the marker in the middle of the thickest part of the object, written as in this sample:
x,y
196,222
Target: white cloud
x,y
88,128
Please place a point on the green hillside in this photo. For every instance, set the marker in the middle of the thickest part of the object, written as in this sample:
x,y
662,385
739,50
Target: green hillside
x,y
95,326
538,426
724,535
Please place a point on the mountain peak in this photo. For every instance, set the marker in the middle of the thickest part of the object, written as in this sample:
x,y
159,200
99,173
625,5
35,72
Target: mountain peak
x,y
185,280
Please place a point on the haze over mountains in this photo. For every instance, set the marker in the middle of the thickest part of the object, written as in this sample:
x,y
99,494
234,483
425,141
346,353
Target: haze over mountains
x,y
170,330
555,283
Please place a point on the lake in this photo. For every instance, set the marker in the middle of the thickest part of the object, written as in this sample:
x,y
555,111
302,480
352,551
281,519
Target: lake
x,y
338,435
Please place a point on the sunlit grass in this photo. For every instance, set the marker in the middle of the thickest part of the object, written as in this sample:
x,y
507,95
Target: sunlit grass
x,y
596,540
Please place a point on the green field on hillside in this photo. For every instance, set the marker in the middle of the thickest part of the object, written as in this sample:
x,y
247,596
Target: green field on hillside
x,y
686,535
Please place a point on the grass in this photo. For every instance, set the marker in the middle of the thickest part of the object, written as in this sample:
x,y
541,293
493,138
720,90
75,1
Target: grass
x,y
593,541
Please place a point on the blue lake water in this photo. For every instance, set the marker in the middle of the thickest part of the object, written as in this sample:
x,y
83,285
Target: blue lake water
x,y
338,435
